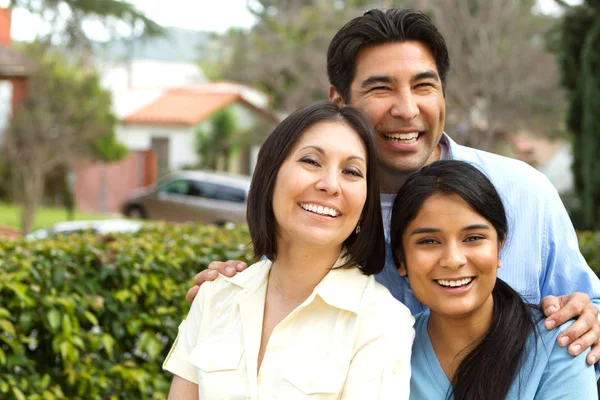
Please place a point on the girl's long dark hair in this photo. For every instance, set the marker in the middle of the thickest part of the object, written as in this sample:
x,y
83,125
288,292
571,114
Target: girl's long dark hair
x,y
489,369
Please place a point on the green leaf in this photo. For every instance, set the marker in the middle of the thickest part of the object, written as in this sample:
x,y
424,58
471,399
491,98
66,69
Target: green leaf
x,y
7,326
54,318
108,342
18,394
91,317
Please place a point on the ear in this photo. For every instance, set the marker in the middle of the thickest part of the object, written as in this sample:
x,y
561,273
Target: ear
x,y
501,244
335,97
402,270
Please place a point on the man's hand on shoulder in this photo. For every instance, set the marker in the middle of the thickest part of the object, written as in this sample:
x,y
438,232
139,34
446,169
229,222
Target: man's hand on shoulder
x,y
227,268
585,331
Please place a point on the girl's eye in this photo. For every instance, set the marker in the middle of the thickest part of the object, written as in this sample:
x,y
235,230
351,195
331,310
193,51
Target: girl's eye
x,y
427,241
353,172
474,238
310,161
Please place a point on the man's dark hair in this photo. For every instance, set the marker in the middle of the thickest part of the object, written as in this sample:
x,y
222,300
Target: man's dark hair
x,y
501,351
367,248
380,27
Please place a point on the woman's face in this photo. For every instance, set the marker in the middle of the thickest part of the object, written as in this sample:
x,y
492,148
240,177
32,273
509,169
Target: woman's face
x,y
321,186
451,257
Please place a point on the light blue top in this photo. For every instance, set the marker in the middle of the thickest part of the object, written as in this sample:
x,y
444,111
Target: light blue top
x,y
541,256
554,374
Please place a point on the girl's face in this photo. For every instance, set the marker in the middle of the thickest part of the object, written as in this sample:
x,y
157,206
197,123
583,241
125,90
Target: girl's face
x,y
451,257
321,186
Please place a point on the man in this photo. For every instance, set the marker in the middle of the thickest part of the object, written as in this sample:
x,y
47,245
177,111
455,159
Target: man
x,y
392,65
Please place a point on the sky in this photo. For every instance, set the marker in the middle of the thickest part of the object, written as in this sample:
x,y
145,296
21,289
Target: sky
x,y
201,15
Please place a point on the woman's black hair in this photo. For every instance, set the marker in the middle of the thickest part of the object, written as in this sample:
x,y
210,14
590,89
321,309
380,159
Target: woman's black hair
x,y
367,248
490,368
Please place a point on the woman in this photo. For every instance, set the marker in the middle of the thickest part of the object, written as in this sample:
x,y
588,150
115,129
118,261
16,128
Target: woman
x,y
309,320
479,340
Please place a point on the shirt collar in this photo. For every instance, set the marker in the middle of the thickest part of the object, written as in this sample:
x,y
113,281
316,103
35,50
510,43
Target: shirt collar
x,y
341,287
252,277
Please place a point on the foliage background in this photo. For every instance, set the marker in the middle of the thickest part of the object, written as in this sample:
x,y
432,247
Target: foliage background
x,y
93,317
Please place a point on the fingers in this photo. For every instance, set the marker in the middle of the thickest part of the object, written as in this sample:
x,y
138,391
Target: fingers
x,y
581,342
550,304
191,294
227,268
594,355
570,307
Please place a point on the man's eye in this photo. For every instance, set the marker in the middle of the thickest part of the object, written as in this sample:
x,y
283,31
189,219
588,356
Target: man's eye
x,y
379,88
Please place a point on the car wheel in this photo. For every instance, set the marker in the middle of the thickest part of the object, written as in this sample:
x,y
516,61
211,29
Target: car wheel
x,y
135,212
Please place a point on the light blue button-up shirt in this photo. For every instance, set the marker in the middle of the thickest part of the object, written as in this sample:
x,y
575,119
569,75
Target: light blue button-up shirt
x,y
541,256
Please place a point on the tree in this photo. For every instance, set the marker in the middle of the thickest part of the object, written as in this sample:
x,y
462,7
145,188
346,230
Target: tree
x,y
502,77
285,53
214,143
578,51
66,117
67,17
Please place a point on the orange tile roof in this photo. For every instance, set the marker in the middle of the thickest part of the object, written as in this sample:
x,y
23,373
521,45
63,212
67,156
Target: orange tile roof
x,y
182,107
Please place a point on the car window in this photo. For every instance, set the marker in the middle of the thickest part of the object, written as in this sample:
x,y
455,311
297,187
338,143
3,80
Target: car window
x,y
180,186
216,192
231,194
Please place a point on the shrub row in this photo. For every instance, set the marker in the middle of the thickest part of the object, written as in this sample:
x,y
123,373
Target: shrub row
x,y
89,317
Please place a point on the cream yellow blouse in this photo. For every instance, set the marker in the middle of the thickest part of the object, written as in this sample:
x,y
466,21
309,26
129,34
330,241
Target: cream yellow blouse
x,y
350,339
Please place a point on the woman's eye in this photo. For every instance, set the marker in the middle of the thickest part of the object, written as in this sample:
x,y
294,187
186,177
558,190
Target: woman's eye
x,y
427,241
353,172
310,161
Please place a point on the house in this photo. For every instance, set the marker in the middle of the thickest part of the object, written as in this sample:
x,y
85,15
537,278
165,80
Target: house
x,y
168,126
160,106
14,71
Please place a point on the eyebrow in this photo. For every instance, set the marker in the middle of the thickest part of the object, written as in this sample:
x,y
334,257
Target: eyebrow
x,y
436,230
320,150
429,74
373,80
377,79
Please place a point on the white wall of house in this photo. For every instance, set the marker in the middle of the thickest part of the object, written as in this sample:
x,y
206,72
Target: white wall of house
x,y
136,83
5,104
182,148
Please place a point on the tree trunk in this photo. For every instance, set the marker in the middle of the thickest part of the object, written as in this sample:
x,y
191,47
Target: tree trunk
x,y
33,187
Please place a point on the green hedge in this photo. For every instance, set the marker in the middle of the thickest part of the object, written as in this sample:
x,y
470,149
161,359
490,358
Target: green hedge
x,y
87,317
589,243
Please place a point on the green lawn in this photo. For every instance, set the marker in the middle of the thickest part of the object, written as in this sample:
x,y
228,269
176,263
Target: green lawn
x,y
10,215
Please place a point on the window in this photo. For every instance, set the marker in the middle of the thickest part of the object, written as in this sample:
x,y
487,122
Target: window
x,y
216,192
179,186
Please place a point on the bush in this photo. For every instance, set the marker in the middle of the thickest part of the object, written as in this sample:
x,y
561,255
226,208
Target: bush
x,y
93,318
589,243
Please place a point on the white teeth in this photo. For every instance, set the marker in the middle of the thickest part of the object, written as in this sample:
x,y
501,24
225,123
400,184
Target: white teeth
x,y
320,209
403,137
455,283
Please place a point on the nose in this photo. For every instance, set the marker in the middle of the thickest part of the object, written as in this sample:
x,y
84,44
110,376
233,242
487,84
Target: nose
x,y
329,182
453,257
405,106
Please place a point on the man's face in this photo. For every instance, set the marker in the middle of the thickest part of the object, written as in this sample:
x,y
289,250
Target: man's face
x,y
398,87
